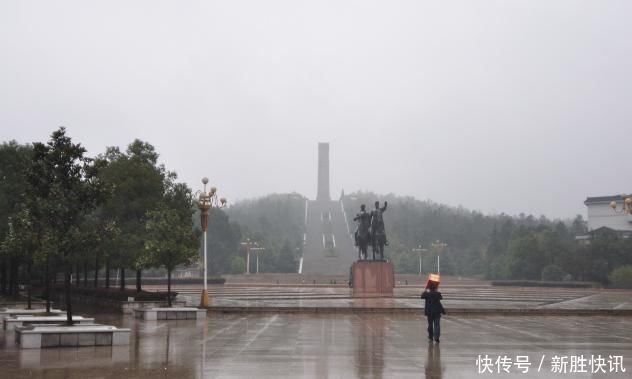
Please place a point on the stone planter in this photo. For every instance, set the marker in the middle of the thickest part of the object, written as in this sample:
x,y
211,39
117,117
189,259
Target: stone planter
x,y
11,323
48,336
12,312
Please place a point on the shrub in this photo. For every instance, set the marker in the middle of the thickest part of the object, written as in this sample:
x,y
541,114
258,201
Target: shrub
x,y
237,265
621,277
553,273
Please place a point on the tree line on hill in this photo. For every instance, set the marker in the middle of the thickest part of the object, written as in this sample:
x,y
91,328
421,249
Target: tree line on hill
x,y
276,223
497,246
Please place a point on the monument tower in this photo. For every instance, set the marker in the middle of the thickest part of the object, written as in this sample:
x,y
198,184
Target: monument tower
x,y
323,172
328,247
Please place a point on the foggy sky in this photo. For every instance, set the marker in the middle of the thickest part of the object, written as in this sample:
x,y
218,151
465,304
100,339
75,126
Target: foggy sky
x,y
499,106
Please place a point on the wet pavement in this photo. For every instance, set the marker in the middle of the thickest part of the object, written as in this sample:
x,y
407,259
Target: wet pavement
x,y
321,346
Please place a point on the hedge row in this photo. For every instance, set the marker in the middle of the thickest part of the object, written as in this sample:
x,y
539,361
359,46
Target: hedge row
x,y
117,294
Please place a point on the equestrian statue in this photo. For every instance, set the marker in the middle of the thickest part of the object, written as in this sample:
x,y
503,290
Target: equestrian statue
x,y
370,229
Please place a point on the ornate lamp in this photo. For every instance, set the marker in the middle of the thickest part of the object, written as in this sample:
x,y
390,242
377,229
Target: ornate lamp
x,y
439,246
626,207
206,201
420,250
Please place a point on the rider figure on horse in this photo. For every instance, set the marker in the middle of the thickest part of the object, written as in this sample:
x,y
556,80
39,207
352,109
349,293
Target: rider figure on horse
x,y
377,221
364,220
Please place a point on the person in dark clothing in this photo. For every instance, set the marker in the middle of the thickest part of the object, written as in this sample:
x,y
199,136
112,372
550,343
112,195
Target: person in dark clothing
x,y
433,311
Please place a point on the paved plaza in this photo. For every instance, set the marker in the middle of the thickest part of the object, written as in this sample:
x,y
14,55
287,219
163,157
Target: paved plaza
x,y
236,340
461,297
336,346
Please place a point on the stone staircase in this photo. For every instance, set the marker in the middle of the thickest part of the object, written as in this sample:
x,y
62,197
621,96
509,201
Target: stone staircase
x,y
328,244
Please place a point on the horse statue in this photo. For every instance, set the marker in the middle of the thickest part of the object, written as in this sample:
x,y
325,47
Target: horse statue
x,y
362,233
378,233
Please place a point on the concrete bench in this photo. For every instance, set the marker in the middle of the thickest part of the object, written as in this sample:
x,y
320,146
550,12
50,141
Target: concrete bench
x,y
46,336
10,323
176,313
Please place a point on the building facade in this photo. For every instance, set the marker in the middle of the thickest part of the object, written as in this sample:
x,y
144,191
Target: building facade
x,y
601,215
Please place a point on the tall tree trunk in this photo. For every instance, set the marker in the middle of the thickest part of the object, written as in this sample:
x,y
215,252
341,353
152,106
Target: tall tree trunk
x,y
29,282
85,273
139,274
122,279
107,273
14,289
47,284
3,275
67,284
78,274
96,271
169,287
10,279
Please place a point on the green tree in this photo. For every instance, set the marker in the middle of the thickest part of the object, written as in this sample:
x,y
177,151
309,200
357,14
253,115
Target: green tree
x,y
21,242
553,273
579,226
605,254
621,277
237,265
15,160
526,258
223,242
286,261
171,239
65,188
137,184
271,220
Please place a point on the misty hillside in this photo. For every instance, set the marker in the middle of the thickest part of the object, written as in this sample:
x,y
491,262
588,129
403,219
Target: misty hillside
x,y
271,219
276,218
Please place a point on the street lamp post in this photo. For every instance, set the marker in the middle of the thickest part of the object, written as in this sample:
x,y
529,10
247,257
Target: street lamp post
x,y
206,201
439,246
257,250
420,250
249,247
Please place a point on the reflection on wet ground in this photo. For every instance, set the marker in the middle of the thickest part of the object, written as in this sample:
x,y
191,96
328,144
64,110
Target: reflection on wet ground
x,y
337,346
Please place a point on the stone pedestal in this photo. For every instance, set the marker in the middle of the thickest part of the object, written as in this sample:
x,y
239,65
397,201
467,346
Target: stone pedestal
x,y
372,279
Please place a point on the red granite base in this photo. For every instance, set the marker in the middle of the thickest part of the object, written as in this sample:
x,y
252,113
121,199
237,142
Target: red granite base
x,y
373,279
